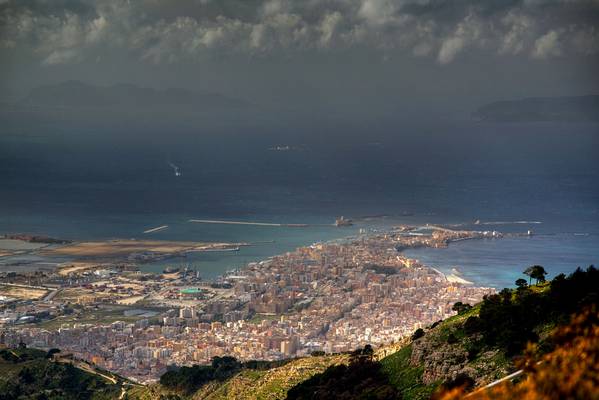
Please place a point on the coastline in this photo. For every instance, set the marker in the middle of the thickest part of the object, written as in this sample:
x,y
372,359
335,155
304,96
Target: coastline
x,y
453,278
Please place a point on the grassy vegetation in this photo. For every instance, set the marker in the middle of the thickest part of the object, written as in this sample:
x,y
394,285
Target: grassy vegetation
x,y
406,378
101,316
261,380
362,378
26,374
258,318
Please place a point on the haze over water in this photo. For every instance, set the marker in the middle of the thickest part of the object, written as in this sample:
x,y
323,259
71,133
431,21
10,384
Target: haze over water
x,y
107,183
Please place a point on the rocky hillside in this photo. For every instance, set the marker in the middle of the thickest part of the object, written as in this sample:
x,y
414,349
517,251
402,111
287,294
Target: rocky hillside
x,y
250,382
478,346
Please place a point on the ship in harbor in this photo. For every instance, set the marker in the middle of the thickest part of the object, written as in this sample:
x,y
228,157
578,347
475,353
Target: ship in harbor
x,y
342,221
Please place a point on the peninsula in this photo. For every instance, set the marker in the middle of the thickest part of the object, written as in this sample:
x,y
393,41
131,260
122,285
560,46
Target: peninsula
x,y
331,297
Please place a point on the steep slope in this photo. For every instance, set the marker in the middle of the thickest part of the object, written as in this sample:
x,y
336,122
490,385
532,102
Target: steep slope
x,y
444,353
273,383
484,343
29,374
569,371
251,382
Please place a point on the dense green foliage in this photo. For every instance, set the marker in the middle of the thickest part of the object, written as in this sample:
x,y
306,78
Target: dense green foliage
x,y
187,380
361,379
536,272
460,307
27,374
509,319
383,269
190,379
406,378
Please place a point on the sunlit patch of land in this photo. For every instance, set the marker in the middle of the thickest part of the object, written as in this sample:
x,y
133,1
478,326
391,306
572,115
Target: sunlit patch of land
x,y
77,267
131,300
13,247
22,293
125,247
18,244
101,316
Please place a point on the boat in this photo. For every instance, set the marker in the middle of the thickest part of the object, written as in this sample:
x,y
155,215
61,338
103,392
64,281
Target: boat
x,y
342,221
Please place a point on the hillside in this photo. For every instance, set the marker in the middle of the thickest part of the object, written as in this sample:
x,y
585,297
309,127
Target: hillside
x,y
479,345
28,374
249,382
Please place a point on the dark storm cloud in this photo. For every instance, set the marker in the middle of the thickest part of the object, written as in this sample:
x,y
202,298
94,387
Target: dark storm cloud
x,y
60,32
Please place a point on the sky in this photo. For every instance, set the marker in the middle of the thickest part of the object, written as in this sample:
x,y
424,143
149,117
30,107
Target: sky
x,y
351,57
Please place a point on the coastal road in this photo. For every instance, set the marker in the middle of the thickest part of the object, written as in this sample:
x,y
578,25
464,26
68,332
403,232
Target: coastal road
x,y
504,379
497,382
26,286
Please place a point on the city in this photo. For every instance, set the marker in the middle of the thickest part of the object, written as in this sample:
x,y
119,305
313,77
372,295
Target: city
x,y
331,297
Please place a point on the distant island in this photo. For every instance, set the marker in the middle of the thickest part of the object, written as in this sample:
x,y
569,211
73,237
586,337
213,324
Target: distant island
x,y
537,109
79,94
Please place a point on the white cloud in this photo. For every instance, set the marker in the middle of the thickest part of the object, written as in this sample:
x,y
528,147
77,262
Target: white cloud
x,y
467,32
377,12
442,29
547,45
328,26
450,48
519,28
61,57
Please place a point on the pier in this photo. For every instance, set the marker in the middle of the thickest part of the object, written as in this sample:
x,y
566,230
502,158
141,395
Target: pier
x,y
213,221
156,229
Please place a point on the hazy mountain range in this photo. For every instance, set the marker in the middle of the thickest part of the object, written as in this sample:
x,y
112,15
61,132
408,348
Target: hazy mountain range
x,y
80,94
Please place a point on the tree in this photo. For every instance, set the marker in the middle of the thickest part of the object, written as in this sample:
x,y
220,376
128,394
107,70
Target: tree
x,y
418,333
536,272
51,352
460,307
539,274
362,355
521,283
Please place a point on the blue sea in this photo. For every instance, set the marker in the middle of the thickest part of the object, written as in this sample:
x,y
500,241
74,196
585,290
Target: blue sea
x,y
100,183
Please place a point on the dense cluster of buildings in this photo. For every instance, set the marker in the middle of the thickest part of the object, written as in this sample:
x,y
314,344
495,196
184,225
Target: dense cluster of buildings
x,y
330,297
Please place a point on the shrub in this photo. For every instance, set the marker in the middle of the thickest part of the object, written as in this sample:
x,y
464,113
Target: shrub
x,y
418,334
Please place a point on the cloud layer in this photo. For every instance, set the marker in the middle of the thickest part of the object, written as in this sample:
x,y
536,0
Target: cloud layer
x,y
70,31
